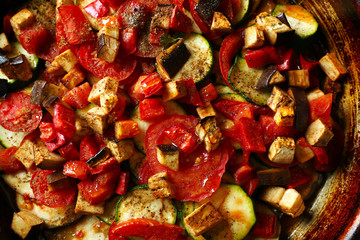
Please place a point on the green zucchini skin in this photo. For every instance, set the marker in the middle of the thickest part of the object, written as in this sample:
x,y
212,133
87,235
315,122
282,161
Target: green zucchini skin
x,y
11,139
243,80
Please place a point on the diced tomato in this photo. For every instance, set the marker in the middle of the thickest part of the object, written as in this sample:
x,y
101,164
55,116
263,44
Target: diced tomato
x,y
305,64
101,186
123,183
57,142
120,70
145,228
76,26
287,60
48,131
128,129
271,130
192,97
200,172
228,50
135,91
88,148
262,57
182,138
8,162
145,173
17,114
320,108
78,96
48,196
128,41
35,38
64,120
97,9
208,93
179,21
250,135
155,35
265,226
298,177
69,152
151,108
244,174
76,169
151,85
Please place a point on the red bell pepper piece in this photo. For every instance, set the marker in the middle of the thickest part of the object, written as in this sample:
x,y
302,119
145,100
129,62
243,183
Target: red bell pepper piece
x,y
155,35
208,93
192,97
57,142
97,9
320,108
69,152
35,38
78,96
114,3
298,177
49,53
8,162
151,108
244,174
179,21
101,186
48,131
64,120
250,135
182,138
287,60
108,164
265,226
306,64
76,169
226,7
88,148
228,50
151,85
234,109
262,57
146,228
251,186
203,25
128,41
77,28
321,155
123,183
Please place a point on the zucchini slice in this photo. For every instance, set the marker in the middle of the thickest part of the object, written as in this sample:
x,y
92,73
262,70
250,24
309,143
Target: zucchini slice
x,y
140,203
233,97
15,84
243,7
171,107
199,65
234,205
224,89
299,19
11,139
244,79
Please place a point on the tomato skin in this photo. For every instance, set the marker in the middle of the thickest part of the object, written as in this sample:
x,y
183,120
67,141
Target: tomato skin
x,y
78,96
88,148
51,197
17,114
151,108
64,120
69,152
101,186
8,162
146,228
76,169
182,138
35,38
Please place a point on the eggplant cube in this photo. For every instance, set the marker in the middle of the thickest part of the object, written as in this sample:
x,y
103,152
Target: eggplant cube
x,y
171,60
4,43
270,76
107,48
21,67
168,155
303,153
285,116
160,186
26,154
220,23
206,111
313,94
299,78
45,159
23,222
22,20
282,150
173,90
162,17
110,31
67,60
292,203
272,195
279,98
254,38
209,132
105,85
5,66
318,134
84,207
202,219
331,65
97,119
121,149
108,100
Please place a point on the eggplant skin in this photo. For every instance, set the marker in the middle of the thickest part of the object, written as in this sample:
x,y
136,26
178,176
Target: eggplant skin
x,y
206,8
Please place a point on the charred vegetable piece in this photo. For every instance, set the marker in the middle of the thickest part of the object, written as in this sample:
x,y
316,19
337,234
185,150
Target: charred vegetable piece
x,y
270,76
55,177
36,92
206,8
5,66
107,48
274,176
301,108
3,88
100,157
21,67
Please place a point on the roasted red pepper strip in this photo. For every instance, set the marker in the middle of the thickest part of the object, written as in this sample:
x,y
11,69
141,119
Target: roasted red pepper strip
x,y
265,226
48,131
146,228
76,169
204,27
123,183
306,64
8,162
262,57
64,120
151,108
77,28
250,135
97,9
128,41
182,138
298,177
88,148
244,174
151,85
69,152
208,93
192,96
287,60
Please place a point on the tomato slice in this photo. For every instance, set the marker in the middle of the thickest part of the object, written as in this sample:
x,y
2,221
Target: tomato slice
x,y
200,172
17,114
8,162
51,197
146,228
